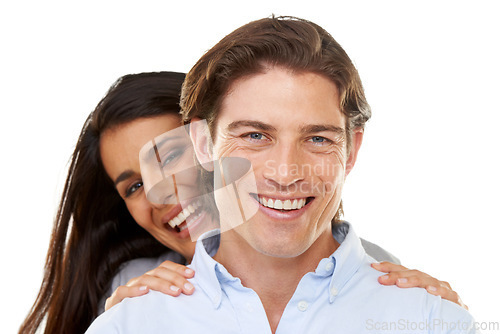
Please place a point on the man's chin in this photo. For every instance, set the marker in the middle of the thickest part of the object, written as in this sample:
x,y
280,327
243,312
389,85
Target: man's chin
x,y
280,249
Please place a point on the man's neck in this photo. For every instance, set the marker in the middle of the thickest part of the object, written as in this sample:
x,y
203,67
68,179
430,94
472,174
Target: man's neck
x,y
274,279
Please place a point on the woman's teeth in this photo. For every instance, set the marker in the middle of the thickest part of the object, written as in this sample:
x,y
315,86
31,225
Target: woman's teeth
x,y
282,205
189,223
181,217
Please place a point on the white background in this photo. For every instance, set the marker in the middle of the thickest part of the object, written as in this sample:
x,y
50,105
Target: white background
x,y
426,185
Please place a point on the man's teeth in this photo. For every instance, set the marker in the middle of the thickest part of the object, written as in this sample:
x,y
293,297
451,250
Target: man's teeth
x,y
282,205
181,217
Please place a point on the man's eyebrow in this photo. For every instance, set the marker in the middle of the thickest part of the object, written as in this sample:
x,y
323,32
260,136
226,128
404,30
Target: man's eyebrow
x,y
123,176
254,124
314,128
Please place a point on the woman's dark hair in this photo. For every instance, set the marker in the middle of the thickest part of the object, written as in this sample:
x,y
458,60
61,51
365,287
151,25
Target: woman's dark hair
x,y
93,232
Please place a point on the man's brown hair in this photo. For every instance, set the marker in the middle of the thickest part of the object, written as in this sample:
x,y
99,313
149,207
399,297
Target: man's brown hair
x,y
289,42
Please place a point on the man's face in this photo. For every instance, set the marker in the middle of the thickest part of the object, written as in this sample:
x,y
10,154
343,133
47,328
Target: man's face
x,y
290,127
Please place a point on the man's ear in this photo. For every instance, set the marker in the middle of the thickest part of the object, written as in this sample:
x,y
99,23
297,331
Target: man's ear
x,y
202,142
356,140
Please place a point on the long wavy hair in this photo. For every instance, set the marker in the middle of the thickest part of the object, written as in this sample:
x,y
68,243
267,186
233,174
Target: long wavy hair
x,y
93,232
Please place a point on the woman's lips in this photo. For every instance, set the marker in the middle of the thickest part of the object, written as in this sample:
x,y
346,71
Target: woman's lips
x,y
182,215
191,227
187,219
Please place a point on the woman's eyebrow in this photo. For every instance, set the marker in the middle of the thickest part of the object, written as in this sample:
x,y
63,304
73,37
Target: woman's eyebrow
x,y
123,176
157,143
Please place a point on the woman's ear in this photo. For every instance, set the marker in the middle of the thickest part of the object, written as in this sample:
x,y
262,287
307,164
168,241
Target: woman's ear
x,y
202,142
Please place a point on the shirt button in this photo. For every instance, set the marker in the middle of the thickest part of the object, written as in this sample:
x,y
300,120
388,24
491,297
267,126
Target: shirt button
x,y
333,291
249,307
302,306
329,266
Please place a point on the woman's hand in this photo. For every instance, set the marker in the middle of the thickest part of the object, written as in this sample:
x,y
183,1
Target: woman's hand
x,y
411,278
169,278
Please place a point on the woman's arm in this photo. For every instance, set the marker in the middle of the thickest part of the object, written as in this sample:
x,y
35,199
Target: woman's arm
x,y
410,278
405,278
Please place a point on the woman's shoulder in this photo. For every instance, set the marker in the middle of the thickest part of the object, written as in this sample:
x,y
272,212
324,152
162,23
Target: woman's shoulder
x,y
140,266
378,253
137,267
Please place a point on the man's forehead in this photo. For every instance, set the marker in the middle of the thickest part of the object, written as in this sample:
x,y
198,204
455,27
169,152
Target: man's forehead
x,y
278,98
304,74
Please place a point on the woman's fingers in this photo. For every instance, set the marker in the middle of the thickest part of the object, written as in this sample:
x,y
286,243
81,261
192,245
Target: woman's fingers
x,y
123,292
167,281
169,278
407,279
444,290
410,278
388,266
178,268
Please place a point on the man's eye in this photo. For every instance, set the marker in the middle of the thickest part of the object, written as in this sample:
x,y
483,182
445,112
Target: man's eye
x,y
133,188
318,139
256,136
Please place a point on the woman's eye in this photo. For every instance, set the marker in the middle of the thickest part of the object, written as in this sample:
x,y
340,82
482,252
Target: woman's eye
x,y
133,188
171,157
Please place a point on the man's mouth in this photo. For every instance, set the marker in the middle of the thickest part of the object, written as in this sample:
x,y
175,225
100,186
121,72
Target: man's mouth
x,y
191,210
283,204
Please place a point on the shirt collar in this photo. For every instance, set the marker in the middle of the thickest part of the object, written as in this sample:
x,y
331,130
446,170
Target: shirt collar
x,y
346,261
206,267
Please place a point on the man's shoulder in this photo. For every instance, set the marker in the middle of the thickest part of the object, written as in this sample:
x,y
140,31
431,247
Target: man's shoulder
x,y
155,302
391,305
365,280
155,311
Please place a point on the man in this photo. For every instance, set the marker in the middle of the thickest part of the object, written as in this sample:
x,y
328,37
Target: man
x,y
282,94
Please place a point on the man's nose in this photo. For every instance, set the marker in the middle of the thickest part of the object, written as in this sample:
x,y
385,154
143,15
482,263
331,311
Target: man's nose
x,y
285,165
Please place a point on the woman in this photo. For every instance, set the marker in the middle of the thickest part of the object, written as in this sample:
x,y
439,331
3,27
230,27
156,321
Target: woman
x,y
94,233
104,221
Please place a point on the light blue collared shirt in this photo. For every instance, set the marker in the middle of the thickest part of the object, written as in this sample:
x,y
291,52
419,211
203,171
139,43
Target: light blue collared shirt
x,y
341,296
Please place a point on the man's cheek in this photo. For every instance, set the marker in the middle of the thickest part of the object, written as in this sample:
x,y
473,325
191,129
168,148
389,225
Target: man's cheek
x,y
226,148
234,181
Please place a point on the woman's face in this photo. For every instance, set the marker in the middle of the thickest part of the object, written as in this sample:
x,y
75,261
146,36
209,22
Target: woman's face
x,y
120,147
